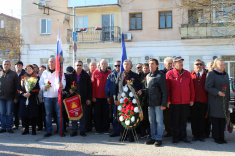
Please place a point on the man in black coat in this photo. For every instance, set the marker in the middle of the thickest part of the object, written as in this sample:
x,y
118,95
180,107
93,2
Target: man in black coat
x,y
20,72
84,89
8,96
157,94
122,81
168,62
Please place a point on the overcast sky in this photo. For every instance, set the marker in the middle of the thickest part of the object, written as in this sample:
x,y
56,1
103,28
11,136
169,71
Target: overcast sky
x,y
11,7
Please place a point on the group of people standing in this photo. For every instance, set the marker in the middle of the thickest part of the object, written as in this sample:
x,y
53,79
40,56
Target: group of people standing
x,y
168,97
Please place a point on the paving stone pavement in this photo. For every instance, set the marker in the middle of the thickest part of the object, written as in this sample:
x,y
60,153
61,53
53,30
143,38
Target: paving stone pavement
x,y
17,144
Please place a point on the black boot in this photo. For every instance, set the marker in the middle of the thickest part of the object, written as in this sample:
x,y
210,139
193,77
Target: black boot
x,y
34,121
26,129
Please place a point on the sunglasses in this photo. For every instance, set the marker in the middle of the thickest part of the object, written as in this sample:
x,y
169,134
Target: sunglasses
x,y
139,67
117,66
198,64
79,65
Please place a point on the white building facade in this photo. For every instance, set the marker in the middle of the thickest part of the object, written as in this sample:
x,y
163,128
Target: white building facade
x,y
157,30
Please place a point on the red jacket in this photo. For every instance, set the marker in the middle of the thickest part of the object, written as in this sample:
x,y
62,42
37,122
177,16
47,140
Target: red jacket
x,y
180,87
99,79
199,87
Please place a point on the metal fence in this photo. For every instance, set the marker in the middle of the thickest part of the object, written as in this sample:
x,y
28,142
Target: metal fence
x,y
208,30
94,34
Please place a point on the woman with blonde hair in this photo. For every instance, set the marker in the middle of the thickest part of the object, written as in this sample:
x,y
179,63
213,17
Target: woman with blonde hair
x,y
217,86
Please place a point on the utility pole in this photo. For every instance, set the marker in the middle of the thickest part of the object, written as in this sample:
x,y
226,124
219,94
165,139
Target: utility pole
x,y
74,42
74,33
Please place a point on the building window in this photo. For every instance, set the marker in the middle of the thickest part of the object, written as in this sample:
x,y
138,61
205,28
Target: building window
x,y
165,19
110,62
82,22
224,12
44,61
45,26
194,16
2,23
84,61
161,62
134,61
191,61
135,21
229,65
107,27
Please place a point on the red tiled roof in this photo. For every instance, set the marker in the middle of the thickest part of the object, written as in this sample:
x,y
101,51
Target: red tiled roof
x,y
10,17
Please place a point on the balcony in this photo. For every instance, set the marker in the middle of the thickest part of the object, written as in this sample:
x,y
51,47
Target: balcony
x,y
92,3
204,30
91,35
196,2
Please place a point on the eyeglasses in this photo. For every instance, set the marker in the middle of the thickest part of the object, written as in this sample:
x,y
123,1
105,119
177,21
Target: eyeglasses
x,y
139,67
198,64
79,65
116,65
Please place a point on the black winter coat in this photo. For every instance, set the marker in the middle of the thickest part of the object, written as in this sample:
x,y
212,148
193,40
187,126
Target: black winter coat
x,y
120,82
156,88
84,86
19,78
8,85
32,109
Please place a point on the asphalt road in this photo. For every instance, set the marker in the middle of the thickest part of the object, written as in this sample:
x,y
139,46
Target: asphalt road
x,y
92,144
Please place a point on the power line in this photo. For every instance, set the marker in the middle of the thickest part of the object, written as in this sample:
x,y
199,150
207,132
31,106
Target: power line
x,y
51,9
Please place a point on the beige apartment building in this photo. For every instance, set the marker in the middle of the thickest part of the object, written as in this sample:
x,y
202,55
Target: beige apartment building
x,y
153,28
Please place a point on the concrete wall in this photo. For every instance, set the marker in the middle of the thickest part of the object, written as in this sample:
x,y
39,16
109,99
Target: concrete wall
x,y
150,20
30,21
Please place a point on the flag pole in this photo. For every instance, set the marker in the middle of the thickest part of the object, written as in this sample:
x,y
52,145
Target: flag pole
x,y
60,113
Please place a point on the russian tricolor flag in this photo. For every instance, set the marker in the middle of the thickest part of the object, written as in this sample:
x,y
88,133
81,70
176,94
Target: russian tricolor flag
x,y
59,65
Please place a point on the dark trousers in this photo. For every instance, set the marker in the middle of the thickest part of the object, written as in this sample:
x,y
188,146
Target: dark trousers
x,y
116,124
89,118
65,117
167,120
101,110
208,127
16,114
33,123
41,116
144,125
218,125
82,121
179,114
198,121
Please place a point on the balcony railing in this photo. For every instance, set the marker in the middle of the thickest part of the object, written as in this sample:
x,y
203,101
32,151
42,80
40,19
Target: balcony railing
x,y
106,34
87,3
196,2
203,30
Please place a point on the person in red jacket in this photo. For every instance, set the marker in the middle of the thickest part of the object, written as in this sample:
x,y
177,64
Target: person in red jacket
x,y
180,96
101,107
199,109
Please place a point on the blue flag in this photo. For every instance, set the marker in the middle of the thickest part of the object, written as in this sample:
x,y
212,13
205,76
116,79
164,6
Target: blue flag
x,y
124,57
